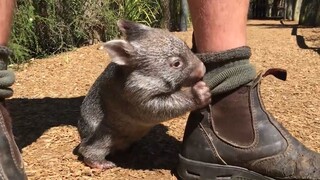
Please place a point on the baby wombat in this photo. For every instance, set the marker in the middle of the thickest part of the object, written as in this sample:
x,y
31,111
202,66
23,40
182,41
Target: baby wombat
x,y
153,77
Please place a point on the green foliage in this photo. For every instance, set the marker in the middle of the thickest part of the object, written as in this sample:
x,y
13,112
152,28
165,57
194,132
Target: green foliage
x,y
23,37
46,27
310,13
146,12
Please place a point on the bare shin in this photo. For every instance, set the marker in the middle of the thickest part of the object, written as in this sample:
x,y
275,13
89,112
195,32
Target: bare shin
x,y
219,25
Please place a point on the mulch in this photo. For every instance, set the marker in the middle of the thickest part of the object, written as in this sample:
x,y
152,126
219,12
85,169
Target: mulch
x,y
48,93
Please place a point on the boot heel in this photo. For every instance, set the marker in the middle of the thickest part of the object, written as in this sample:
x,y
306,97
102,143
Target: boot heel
x,y
190,169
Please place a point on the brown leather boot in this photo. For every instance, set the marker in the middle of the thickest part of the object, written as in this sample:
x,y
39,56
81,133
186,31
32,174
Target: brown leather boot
x,y
236,138
11,165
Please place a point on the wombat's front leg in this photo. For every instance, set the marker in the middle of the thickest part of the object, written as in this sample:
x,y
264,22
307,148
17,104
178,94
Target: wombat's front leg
x,y
201,94
180,102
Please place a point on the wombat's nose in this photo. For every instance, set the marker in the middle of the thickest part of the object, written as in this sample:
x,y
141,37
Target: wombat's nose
x,y
199,71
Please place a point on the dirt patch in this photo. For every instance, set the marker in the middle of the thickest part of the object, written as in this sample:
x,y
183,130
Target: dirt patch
x,y
48,93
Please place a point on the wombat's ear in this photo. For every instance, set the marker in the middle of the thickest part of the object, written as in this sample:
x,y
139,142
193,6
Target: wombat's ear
x,y
129,28
119,51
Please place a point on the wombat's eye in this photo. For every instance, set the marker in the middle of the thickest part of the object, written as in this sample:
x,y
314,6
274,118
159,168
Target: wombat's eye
x,y
176,63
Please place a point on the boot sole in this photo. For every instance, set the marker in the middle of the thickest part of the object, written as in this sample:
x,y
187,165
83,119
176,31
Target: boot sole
x,y
189,169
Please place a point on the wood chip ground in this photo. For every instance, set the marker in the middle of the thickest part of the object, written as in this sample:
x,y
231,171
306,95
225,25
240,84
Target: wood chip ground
x,y
48,93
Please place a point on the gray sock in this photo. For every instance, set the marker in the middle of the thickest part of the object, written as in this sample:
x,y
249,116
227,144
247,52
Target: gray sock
x,y
7,77
227,70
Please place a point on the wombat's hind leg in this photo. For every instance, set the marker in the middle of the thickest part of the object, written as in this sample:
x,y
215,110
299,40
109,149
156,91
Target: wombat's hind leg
x,y
94,155
104,164
94,149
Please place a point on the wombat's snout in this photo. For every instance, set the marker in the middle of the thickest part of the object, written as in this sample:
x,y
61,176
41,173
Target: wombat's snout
x,y
198,72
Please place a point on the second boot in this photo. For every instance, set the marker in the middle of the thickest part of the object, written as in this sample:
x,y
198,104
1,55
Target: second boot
x,y
11,164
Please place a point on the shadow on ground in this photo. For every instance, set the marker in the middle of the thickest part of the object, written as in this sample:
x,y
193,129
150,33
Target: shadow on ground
x,y
301,41
32,117
277,24
157,150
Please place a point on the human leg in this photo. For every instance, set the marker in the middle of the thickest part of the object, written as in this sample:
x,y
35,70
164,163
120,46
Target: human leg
x,y
219,25
6,14
235,137
11,165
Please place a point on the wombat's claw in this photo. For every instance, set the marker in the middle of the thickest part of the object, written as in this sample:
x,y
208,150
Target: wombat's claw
x,y
99,164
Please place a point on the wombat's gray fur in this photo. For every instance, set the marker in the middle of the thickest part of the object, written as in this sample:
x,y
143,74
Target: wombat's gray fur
x,y
153,77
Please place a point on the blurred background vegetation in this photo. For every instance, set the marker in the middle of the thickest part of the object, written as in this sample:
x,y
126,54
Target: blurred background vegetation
x,y
305,12
46,27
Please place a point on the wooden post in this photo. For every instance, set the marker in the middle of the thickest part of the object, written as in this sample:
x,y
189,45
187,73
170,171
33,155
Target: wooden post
x,y
183,15
297,10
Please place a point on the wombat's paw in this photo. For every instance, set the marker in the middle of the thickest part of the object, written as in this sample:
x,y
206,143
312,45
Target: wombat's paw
x,y
202,94
99,164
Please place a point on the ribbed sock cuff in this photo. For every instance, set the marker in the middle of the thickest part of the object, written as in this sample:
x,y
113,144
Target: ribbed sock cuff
x,y
227,70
